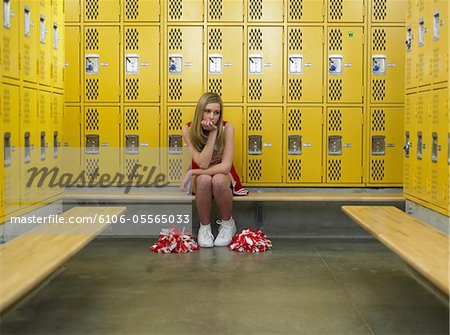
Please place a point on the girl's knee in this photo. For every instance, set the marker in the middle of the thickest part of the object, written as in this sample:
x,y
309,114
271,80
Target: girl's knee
x,y
220,181
203,182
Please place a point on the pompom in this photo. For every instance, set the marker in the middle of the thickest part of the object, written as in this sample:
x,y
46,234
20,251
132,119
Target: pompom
x,y
172,240
250,241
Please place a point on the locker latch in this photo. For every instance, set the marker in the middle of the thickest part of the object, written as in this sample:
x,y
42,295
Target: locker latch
x,y
55,36
92,62
55,144
294,144
436,25
335,145
132,144
379,64
27,21
378,145
215,63
419,144
175,144
422,31
175,64
7,149
409,38
335,64
295,64
43,146
132,64
407,145
42,29
27,147
92,144
254,144
255,64
7,13
434,147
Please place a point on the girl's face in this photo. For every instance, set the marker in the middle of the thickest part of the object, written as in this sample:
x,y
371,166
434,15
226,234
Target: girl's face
x,y
212,113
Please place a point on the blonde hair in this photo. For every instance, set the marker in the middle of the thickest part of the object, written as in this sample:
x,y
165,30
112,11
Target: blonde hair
x,y
197,134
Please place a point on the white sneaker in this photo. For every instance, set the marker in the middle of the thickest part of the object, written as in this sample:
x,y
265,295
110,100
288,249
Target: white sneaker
x,y
205,237
226,232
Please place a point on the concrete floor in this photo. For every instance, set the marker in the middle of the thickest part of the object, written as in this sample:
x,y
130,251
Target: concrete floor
x,y
302,286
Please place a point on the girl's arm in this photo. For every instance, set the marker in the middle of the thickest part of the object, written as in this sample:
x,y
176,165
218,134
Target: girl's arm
x,y
202,158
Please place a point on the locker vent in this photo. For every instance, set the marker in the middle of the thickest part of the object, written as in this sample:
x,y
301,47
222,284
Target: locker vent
x,y
335,37
421,67
42,65
42,110
132,9
255,120
255,89
378,89
295,39
92,9
26,60
55,111
132,39
379,40
255,39
406,176
335,89
435,110
175,9
295,9
418,178
335,9
132,119
215,39
420,107
295,89
92,168
255,9
408,110
92,39
295,120
379,9
215,9
6,54
175,89
294,169
334,169
175,39
92,119
26,107
434,185
132,88
175,120
215,86
130,167
175,169
335,120
6,106
408,70
436,63
254,169
409,8
377,170
421,5
378,120
55,69
91,89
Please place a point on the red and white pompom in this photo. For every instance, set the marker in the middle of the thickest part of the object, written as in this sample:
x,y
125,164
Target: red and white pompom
x,y
250,241
174,240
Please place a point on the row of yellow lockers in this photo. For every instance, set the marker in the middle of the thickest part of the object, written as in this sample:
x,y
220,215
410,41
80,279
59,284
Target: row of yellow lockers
x,y
273,146
318,65
235,10
426,42
31,136
32,43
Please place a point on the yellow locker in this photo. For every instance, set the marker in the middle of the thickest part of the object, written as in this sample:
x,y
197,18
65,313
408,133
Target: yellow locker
x,y
101,141
384,11
306,10
440,41
303,144
265,10
265,64
29,34
10,42
344,145
225,55
141,10
264,145
55,133
225,10
234,115
409,158
71,141
45,43
101,75
411,45
387,65
2,159
185,66
345,64
72,11
424,40
141,143
386,145
72,65
422,151
101,11
44,134
11,144
304,67
178,157
185,10
141,64
346,11
58,42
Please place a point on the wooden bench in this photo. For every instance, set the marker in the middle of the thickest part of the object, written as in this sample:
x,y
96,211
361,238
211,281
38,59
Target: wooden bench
x,y
422,246
30,258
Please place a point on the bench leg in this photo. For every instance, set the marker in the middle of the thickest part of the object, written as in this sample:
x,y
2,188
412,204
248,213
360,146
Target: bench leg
x,y
259,214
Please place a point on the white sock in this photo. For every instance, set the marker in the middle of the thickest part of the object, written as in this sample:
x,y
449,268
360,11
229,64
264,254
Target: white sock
x,y
228,222
205,226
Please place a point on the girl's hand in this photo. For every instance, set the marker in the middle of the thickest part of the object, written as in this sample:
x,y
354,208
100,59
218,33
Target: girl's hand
x,y
186,184
208,125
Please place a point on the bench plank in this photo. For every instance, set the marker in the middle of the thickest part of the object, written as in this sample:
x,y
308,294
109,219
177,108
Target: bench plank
x,y
423,247
30,258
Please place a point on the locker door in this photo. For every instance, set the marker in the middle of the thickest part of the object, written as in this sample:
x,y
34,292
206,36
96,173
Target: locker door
x,y
424,42
29,36
264,145
225,55
303,145
386,143
55,133
185,10
10,42
440,41
101,10
305,70
73,67
234,115
141,10
225,10
306,10
265,10
346,11
45,43
141,64
411,45
388,11
72,10
71,141
101,59
185,68
45,137
58,43
409,157
344,145
422,151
